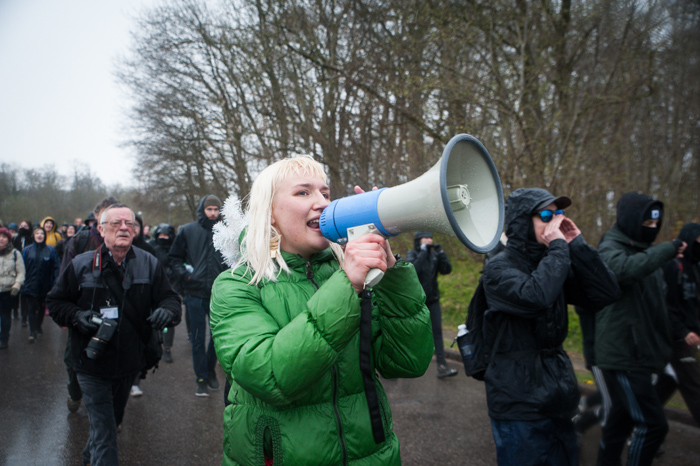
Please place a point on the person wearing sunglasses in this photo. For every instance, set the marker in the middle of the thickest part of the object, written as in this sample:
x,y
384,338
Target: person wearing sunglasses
x,y
531,390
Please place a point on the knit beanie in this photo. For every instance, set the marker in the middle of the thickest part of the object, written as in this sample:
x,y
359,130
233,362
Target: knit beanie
x,y
212,200
6,232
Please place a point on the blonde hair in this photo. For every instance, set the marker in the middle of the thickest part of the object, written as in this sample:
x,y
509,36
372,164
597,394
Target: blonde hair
x,y
255,248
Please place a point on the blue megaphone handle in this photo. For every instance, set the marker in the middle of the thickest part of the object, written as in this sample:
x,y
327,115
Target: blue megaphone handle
x,y
351,211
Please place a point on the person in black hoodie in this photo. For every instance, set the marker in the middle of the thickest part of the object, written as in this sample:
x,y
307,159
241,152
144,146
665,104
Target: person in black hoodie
x,y
681,276
194,246
41,264
22,239
429,259
531,390
163,237
632,335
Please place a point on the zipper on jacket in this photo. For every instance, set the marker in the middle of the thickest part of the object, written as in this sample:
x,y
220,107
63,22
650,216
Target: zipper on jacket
x,y
337,416
310,274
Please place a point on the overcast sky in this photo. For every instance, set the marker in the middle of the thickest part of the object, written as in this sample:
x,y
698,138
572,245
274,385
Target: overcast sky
x,y
60,103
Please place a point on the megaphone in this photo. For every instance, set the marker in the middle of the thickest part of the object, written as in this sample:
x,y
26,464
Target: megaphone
x,y
460,196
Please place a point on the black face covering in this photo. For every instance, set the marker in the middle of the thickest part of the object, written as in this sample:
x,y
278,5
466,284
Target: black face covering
x,y
648,235
164,241
695,252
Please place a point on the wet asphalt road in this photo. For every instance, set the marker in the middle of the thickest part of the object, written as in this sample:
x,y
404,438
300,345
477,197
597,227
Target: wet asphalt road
x,y
439,422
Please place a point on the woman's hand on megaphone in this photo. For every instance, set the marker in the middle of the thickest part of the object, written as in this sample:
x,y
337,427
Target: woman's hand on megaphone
x,y
370,251
359,190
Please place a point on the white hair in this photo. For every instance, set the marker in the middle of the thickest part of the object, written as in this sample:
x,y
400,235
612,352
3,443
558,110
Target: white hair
x,y
103,217
254,251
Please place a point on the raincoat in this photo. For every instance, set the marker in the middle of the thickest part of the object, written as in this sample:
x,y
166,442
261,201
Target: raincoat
x,y
528,287
53,237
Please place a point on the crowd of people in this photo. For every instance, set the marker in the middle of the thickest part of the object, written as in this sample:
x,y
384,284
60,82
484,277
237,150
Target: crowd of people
x,y
302,341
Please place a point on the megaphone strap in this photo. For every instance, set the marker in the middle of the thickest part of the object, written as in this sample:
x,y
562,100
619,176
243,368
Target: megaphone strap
x,y
366,367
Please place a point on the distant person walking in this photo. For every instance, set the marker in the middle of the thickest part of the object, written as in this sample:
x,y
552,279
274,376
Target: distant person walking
x,y
11,280
429,260
42,264
194,245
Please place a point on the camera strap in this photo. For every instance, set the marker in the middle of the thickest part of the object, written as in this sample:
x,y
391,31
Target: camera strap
x,y
119,293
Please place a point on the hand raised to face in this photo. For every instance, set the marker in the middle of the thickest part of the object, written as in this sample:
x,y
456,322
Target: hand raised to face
x,y
569,229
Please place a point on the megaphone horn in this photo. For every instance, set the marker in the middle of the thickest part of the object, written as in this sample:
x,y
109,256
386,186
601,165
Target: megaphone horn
x,y
460,196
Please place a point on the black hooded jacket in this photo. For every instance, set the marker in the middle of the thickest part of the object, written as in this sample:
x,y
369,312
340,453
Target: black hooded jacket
x,y
194,246
633,334
428,263
682,279
528,287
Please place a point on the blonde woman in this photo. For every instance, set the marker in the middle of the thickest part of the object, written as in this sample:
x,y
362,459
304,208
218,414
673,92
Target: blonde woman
x,y
285,322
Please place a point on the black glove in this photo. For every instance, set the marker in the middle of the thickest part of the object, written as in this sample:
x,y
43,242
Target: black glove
x,y
677,243
82,320
160,319
438,248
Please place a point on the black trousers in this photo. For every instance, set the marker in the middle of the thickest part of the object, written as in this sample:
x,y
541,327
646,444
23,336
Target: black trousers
x,y
687,368
634,404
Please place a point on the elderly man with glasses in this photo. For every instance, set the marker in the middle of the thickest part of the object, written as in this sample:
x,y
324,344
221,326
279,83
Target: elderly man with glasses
x,y
112,298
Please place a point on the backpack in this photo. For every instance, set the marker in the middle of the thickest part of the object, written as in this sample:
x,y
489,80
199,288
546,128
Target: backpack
x,y
474,350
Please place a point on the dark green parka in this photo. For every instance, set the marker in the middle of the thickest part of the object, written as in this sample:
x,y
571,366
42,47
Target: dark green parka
x,y
290,350
633,334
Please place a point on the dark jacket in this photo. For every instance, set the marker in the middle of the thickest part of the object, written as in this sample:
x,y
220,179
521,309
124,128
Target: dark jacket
x,y
428,263
194,246
162,246
633,334
528,287
23,239
87,239
78,288
41,264
681,277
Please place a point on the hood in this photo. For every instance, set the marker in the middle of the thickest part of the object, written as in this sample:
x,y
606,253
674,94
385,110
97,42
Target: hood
x,y
631,211
520,206
139,238
688,233
53,230
202,217
166,229
420,235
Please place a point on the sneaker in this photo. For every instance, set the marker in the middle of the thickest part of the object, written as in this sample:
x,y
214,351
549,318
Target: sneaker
x,y
167,357
136,390
39,332
213,383
24,324
444,371
3,344
202,388
73,405
32,338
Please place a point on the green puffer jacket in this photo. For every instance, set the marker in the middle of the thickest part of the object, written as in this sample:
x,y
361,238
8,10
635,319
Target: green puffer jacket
x,y
633,334
290,350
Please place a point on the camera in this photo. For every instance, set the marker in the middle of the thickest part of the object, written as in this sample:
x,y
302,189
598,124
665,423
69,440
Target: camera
x,y
99,341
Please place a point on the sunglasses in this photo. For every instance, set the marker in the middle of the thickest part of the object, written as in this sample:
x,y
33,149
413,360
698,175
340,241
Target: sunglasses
x,y
547,215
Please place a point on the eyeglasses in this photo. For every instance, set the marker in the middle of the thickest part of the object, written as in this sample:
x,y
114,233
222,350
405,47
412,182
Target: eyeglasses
x,y
547,215
118,223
